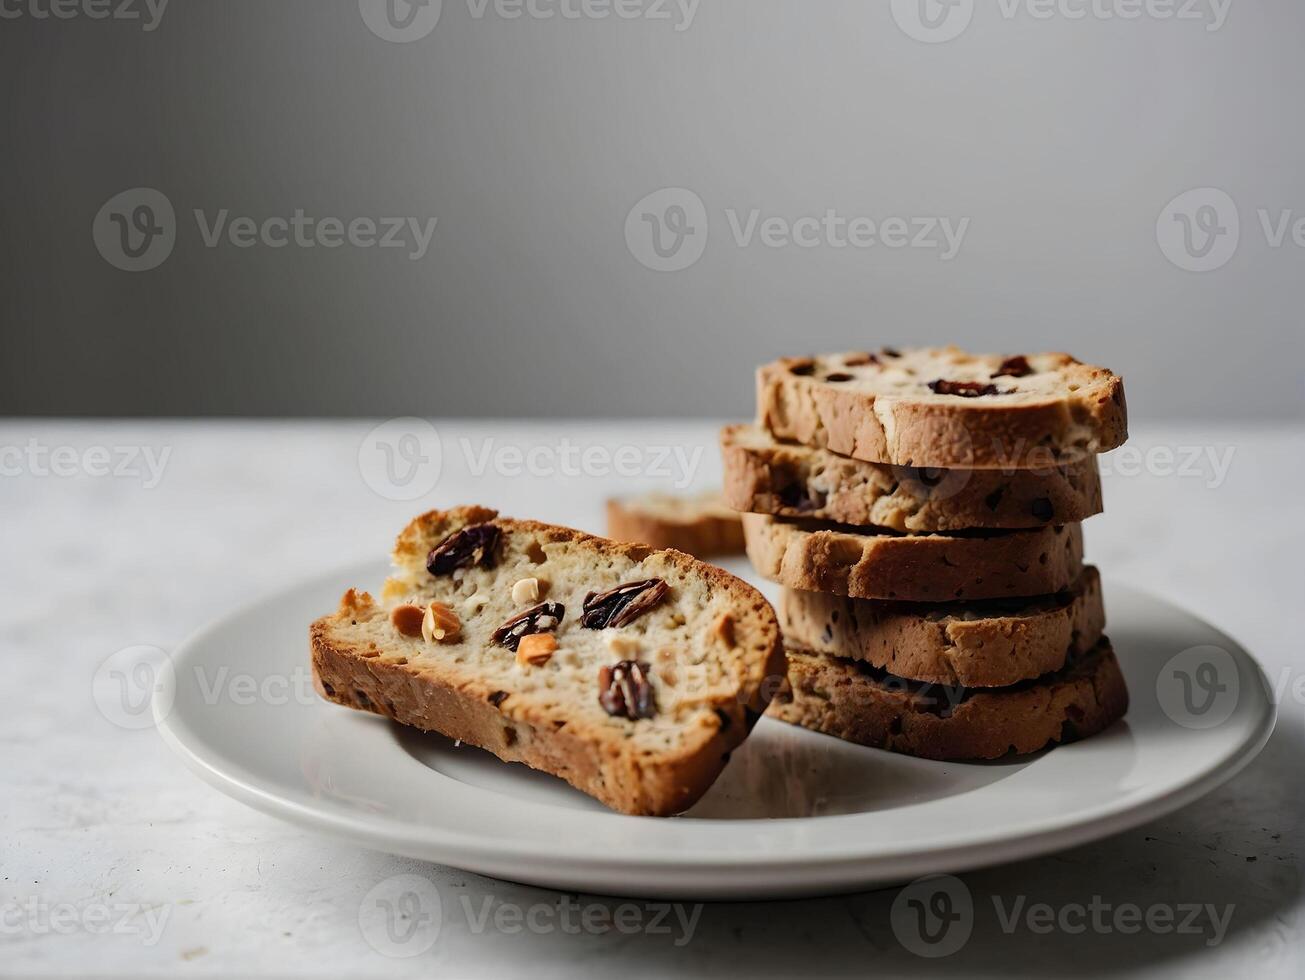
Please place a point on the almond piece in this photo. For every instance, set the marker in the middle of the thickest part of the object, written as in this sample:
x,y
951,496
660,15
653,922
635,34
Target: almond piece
x,y
536,649
440,624
526,592
407,619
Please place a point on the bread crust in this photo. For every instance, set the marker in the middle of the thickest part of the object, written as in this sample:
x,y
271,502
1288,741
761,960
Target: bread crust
x,y
597,759
1086,415
992,644
765,476
697,532
860,563
840,698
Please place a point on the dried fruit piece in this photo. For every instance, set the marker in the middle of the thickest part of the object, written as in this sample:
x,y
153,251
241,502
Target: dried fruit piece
x,y
838,376
622,605
474,545
543,618
440,624
525,590
624,690
1043,509
406,618
1014,367
723,629
536,650
858,358
965,389
802,367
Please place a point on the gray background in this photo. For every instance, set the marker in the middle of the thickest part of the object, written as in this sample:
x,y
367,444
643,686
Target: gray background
x,y
530,140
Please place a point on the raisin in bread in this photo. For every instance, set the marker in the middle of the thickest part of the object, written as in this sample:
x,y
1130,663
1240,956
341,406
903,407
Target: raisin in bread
x,y
944,407
855,702
873,563
765,476
628,672
992,643
701,526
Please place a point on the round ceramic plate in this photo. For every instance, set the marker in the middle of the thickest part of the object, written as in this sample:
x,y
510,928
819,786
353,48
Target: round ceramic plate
x,y
794,813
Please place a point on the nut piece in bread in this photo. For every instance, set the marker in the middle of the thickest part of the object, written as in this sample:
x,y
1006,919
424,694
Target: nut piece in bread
x,y
695,698
944,407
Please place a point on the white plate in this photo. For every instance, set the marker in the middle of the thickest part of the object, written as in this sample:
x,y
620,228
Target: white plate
x,y
794,813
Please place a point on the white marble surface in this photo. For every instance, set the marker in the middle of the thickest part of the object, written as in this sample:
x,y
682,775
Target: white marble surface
x,y
97,822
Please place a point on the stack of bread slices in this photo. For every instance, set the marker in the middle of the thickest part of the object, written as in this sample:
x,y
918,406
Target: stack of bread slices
x,y
922,510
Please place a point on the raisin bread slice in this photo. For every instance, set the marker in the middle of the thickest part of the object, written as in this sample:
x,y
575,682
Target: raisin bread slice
x,y
628,672
701,526
765,476
992,643
857,703
944,407
873,563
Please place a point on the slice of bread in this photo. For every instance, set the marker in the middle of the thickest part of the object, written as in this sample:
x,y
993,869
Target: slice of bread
x,y
872,563
993,643
765,476
635,697
701,526
855,702
944,407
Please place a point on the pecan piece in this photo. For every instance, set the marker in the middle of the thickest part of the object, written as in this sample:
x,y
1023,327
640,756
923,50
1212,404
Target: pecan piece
x,y
966,389
474,545
622,605
1014,367
543,618
624,690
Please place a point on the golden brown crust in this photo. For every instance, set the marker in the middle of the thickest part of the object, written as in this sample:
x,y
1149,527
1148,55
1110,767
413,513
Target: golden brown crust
x,y
434,695
1084,415
764,476
703,534
840,698
856,562
992,644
